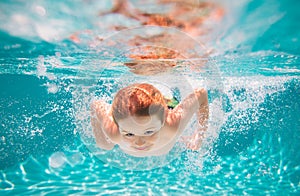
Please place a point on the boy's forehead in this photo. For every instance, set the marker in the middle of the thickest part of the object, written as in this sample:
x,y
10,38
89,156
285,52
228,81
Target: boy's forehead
x,y
139,123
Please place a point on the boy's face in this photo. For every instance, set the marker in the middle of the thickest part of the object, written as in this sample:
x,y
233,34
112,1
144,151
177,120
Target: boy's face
x,y
140,133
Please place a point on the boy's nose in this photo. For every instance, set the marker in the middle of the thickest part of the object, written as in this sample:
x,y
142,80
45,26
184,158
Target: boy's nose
x,y
139,141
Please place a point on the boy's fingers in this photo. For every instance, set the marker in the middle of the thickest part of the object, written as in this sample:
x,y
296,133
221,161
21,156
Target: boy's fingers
x,y
191,142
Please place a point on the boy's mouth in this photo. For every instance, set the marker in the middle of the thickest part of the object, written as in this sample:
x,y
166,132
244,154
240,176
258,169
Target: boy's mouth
x,y
142,147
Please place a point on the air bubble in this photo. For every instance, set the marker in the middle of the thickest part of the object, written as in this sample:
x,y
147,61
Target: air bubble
x,y
52,88
40,10
57,160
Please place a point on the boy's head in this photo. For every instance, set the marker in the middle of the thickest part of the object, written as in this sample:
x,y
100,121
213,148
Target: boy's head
x,y
138,100
139,111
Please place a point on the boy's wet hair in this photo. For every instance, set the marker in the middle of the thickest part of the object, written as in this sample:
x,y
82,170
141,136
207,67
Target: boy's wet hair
x,y
138,100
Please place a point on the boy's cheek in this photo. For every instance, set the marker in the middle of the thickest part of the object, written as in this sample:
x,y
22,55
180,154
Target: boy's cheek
x,y
154,137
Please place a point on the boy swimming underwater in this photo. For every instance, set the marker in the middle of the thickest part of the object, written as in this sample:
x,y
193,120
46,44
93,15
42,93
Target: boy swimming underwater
x,y
140,122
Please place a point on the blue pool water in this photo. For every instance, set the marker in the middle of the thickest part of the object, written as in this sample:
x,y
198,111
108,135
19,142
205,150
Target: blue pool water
x,y
47,83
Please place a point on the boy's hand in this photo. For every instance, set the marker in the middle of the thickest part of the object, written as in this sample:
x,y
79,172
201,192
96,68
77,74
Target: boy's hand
x,y
194,141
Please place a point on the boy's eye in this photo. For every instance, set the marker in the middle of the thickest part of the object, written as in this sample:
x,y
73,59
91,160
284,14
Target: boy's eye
x,y
129,134
149,132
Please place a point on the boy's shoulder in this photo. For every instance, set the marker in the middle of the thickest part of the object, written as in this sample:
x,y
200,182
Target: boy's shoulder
x,y
100,106
173,117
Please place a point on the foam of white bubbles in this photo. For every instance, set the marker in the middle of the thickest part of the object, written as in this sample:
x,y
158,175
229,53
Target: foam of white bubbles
x,y
249,92
41,68
52,88
244,94
44,69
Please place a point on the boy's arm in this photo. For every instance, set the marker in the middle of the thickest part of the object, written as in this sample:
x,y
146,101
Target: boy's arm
x,y
202,115
196,102
104,128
